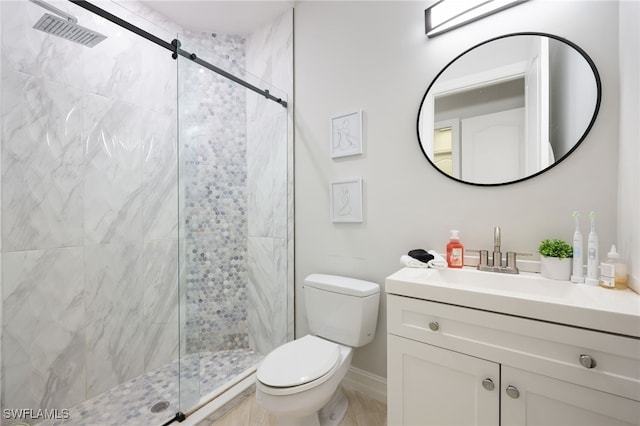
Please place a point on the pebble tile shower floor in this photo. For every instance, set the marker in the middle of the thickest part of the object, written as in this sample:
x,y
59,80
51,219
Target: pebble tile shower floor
x,y
130,403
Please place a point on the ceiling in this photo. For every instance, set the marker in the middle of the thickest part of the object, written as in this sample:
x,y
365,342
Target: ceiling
x,y
225,17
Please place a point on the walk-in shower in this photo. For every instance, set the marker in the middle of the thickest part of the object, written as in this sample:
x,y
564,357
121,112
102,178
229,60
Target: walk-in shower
x,y
145,213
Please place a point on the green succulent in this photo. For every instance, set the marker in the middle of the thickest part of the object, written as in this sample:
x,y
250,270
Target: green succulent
x,y
555,248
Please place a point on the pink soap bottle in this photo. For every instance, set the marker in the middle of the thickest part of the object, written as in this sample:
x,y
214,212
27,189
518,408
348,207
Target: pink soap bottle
x,y
455,251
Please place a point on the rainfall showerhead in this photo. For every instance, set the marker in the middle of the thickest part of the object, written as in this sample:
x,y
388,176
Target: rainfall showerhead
x,y
66,26
68,30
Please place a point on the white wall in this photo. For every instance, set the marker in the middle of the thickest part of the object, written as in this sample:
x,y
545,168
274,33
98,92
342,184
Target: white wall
x,y
629,178
375,56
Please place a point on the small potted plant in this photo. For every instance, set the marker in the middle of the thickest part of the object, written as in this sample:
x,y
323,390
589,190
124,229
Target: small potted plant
x,y
555,259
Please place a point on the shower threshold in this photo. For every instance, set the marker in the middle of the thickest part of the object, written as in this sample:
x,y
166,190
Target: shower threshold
x,y
152,398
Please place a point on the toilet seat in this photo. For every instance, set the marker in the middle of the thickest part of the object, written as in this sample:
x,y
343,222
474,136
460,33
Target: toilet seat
x,y
299,365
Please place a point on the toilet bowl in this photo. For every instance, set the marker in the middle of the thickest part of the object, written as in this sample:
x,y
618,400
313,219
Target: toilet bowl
x,y
299,381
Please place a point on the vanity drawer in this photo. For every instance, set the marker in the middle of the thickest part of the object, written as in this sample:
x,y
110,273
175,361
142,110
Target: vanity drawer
x,y
550,349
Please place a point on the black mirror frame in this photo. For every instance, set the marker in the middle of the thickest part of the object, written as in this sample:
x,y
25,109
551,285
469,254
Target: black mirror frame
x,y
575,146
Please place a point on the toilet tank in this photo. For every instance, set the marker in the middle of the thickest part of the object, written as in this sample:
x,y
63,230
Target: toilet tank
x,y
341,309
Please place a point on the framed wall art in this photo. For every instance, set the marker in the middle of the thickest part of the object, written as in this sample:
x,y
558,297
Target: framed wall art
x,y
346,134
346,200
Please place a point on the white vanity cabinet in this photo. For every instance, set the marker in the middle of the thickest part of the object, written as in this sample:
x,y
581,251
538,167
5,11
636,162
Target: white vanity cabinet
x,y
455,365
428,385
540,400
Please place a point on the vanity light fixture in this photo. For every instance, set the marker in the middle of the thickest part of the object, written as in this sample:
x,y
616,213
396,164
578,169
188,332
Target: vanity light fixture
x,y
446,15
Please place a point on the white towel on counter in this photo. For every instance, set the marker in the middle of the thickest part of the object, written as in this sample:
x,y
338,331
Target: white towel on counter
x,y
410,262
437,262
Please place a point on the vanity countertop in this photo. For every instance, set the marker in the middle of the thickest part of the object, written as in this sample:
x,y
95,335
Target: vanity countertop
x,y
525,295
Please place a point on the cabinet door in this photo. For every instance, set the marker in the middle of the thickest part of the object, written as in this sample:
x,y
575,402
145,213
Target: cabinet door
x,y
428,385
539,400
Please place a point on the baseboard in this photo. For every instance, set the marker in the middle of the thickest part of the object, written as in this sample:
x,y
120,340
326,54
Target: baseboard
x,y
367,383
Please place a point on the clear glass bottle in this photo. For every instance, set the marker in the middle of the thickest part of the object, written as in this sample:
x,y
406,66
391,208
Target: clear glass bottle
x,y
613,272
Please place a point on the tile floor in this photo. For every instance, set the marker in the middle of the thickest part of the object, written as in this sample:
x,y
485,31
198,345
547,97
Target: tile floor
x,y
130,403
363,411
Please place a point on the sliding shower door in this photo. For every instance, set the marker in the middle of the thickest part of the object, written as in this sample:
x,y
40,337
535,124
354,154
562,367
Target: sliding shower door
x,y
234,227
89,222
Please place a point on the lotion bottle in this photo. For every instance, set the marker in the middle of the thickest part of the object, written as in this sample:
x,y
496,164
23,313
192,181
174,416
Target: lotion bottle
x,y
578,265
455,251
613,271
592,254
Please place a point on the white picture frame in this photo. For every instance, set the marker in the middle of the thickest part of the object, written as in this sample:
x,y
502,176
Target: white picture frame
x,y
346,200
346,134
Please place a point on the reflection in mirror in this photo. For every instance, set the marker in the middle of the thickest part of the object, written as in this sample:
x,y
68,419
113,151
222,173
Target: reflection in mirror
x,y
509,109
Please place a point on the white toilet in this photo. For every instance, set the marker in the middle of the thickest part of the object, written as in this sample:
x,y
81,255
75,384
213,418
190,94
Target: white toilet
x,y
299,381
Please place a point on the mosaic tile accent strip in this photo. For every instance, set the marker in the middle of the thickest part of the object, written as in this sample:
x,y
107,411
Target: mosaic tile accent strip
x,y
214,176
130,403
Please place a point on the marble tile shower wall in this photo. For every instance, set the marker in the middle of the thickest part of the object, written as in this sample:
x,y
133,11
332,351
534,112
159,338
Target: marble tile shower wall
x,y
89,211
269,53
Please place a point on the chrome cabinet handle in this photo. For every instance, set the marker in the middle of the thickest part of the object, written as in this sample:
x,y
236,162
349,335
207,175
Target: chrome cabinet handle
x,y
434,326
587,361
513,392
488,384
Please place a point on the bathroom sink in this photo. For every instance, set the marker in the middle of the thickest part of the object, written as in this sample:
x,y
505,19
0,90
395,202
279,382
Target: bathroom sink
x,y
526,294
533,285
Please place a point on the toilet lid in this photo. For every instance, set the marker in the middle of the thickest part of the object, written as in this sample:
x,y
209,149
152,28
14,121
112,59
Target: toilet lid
x,y
298,362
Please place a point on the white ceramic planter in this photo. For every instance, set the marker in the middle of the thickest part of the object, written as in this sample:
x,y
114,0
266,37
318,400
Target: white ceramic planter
x,y
556,268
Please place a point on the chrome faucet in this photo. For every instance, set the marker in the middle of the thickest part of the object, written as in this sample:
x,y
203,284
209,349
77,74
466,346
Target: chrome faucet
x,y
496,264
497,255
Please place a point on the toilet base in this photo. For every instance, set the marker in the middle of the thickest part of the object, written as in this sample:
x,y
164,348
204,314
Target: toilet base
x,y
329,415
335,410
311,420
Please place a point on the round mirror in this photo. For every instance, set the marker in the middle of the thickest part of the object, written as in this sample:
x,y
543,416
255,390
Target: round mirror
x,y
509,109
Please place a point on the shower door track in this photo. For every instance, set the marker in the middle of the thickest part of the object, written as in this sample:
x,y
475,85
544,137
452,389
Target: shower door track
x,y
174,47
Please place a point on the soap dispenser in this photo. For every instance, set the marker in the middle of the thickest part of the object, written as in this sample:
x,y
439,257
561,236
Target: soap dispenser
x,y
455,250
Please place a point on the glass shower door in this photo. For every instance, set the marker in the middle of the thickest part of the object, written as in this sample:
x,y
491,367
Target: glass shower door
x,y
89,235
233,207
